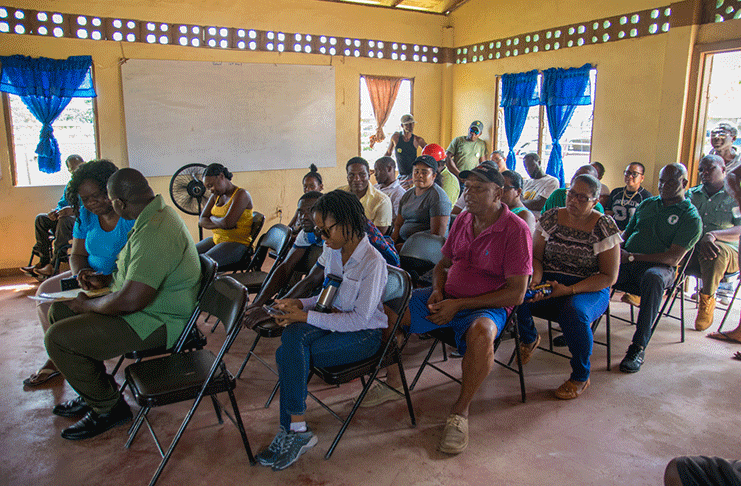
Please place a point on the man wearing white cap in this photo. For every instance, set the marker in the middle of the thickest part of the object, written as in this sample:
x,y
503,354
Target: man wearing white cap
x,y
404,145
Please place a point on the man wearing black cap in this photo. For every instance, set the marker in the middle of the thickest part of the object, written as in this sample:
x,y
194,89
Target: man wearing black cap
x,y
465,153
485,266
404,145
424,207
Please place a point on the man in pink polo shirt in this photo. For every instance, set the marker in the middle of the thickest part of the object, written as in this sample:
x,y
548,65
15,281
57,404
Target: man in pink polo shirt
x,y
484,272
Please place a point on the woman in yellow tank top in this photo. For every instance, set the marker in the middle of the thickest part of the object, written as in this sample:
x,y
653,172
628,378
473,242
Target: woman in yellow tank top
x,y
228,213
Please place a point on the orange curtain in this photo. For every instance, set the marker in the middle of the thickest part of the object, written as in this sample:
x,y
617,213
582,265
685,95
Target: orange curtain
x,y
383,91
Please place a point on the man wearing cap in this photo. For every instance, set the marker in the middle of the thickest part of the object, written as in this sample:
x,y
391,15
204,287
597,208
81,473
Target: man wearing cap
x,y
484,271
465,153
404,145
722,138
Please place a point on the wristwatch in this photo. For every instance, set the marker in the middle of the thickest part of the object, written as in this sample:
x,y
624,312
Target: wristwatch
x,y
631,258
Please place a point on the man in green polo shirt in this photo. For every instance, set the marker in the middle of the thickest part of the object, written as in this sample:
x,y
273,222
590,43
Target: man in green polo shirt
x,y
717,252
466,152
662,230
154,291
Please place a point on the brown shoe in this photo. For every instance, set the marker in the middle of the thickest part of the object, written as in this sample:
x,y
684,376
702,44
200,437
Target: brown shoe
x,y
526,350
571,389
45,271
455,435
631,299
705,313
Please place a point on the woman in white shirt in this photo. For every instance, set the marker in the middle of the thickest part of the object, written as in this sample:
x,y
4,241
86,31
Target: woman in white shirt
x,y
351,331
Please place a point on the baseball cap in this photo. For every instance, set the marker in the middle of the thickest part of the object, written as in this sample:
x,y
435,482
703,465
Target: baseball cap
x,y
486,171
407,119
427,160
478,125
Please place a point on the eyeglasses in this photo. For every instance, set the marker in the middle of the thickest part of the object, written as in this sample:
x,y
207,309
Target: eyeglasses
x,y
582,198
324,231
98,196
632,173
507,188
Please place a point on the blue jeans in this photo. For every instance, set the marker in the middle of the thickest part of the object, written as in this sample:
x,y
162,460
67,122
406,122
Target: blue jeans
x,y
304,345
575,314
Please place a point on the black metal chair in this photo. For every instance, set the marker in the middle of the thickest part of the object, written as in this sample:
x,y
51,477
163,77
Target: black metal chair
x,y
194,339
554,342
258,220
446,336
725,308
185,376
671,295
396,298
420,254
276,239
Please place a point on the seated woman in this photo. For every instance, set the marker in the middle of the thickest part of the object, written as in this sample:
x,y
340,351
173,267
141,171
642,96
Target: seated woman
x,y
424,207
576,250
98,235
351,331
511,197
228,213
312,181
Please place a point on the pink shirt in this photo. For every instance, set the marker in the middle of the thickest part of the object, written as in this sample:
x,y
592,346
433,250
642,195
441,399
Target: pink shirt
x,y
482,264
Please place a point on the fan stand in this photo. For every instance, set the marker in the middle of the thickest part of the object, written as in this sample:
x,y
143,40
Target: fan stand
x,y
187,190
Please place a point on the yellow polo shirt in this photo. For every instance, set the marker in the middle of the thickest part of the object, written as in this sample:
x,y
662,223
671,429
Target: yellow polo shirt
x,y
377,206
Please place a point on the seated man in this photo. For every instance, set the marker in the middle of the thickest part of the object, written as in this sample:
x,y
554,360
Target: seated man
x,y
624,200
538,188
717,251
377,205
487,260
60,220
154,291
604,195
385,171
557,199
659,234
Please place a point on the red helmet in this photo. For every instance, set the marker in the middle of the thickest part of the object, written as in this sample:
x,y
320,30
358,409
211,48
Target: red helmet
x,y
434,150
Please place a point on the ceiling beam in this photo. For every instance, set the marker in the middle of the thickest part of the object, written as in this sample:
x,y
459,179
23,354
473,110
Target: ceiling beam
x,y
396,3
454,5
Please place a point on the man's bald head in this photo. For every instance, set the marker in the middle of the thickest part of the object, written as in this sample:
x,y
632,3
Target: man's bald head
x,y
672,182
130,192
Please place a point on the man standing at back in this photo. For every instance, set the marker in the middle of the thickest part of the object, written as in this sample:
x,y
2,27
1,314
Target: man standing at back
x,y
377,205
404,145
722,138
537,189
154,291
466,152
662,230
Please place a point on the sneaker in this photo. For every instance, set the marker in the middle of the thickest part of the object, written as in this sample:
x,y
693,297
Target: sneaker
x,y
724,299
380,393
631,299
294,445
268,456
633,359
455,435
705,313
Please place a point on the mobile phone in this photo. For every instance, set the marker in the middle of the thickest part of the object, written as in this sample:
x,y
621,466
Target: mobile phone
x,y
69,283
273,311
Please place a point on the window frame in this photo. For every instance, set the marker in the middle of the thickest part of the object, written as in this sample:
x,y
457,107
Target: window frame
x,y
360,109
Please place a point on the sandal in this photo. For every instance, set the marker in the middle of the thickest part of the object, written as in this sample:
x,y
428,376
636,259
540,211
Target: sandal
x,y
526,350
41,377
570,390
737,355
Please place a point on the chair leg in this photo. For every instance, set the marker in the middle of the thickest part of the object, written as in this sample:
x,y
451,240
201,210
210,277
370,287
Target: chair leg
x,y
134,429
406,390
424,363
217,409
118,365
247,358
240,426
520,372
607,340
272,394
728,309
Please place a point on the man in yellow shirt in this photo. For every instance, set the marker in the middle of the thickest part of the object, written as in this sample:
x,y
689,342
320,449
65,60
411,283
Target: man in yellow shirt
x,y
377,205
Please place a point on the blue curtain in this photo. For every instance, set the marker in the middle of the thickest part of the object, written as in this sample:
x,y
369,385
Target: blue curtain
x,y
46,87
519,93
563,90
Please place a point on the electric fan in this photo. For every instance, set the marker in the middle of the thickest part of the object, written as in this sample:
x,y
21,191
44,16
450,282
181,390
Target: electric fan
x,y
188,192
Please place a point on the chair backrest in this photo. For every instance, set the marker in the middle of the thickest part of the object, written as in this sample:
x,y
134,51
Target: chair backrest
x,y
209,268
398,289
258,220
309,260
226,299
423,246
276,239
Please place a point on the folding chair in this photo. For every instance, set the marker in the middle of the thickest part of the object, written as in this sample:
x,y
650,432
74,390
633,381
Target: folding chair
x,y
396,297
594,326
190,375
277,239
258,220
447,336
420,254
194,339
671,295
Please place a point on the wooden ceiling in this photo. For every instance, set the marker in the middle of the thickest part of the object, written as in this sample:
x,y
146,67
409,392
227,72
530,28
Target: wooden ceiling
x,y
441,7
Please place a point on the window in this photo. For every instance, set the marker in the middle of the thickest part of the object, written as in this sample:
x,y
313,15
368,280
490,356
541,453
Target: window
x,y
723,95
74,130
402,106
576,142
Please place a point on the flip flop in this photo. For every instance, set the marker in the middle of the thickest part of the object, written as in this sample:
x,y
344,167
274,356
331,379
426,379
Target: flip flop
x,y
737,356
721,336
41,377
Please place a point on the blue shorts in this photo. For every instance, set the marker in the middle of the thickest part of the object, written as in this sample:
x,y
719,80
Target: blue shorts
x,y
460,323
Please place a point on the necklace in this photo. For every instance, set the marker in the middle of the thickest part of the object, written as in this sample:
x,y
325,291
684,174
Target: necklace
x,y
623,202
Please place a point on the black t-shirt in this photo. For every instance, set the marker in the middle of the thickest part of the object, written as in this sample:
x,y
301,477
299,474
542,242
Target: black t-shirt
x,y
623,204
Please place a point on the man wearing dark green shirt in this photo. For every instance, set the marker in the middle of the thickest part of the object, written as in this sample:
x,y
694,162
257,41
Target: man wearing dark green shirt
x,y
662,230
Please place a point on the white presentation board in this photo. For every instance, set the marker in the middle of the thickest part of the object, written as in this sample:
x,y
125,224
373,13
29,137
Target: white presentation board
x,y
244,116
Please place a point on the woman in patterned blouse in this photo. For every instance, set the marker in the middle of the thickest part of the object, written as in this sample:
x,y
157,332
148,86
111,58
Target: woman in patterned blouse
x,y
576,250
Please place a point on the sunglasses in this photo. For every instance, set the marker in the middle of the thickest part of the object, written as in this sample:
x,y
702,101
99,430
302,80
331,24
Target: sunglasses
x,y
324,231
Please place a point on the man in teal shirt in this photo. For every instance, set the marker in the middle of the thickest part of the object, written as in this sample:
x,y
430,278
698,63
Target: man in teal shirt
x,y
153,294
717,252
662,230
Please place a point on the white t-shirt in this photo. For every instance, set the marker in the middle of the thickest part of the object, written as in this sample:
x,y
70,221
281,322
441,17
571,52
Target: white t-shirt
x,y
394,191
535,188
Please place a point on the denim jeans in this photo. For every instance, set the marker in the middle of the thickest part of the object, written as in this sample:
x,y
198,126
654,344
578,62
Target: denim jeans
x,y
575,314
304,345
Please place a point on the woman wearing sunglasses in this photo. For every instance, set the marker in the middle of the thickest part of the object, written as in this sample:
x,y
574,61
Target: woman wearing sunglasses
x,y
349,331
576,250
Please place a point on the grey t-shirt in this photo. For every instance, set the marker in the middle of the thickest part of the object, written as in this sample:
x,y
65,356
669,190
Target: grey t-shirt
x,y
417,211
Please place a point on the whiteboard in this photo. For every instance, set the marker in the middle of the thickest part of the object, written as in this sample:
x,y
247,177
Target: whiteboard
x,y
244,116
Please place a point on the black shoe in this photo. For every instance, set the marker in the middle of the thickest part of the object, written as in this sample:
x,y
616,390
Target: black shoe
x,y
559,341
72,408
95,423
633,359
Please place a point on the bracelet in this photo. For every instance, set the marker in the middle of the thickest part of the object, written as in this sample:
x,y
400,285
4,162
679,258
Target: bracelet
x,y
573,290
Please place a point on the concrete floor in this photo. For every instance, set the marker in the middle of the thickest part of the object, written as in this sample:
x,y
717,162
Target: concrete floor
x,y
623,430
